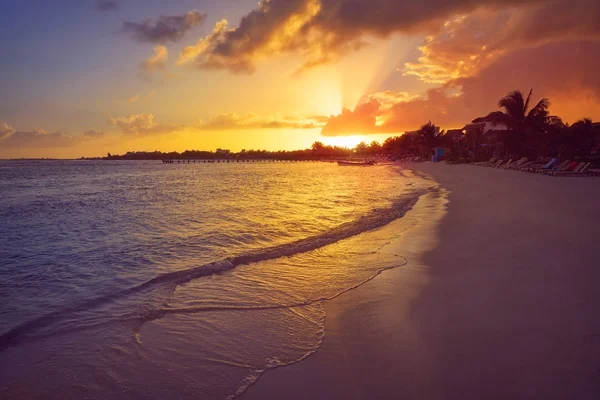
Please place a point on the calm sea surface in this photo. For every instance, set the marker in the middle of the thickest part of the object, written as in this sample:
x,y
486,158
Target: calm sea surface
x,y
138,279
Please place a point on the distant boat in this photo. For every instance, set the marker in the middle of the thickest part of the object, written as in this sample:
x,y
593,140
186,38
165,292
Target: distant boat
x,y
356,163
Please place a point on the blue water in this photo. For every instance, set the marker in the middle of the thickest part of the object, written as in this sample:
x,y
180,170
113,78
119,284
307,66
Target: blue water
x,y
125,279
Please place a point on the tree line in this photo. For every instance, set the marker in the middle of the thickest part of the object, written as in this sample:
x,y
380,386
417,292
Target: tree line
x,y
519,130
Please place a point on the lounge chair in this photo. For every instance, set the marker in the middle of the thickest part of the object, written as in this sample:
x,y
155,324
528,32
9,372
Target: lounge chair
x,y
580,170
573,166
532,167
482,163
491,162
505,165
550,164
560,167
495,164
594,171
525,165
517,164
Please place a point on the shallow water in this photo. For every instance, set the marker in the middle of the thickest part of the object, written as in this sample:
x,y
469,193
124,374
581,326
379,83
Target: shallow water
x,y
137,279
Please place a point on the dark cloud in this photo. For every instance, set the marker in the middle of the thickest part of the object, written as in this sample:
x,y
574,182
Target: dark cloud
x,y
38,139
322,30
571,82
165,28
551,21
106,5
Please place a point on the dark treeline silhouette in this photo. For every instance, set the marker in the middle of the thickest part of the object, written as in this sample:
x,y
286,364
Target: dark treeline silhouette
x,y
317,151
517,131
307,154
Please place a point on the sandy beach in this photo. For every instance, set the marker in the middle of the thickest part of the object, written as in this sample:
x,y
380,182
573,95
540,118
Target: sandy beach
x,y
498,300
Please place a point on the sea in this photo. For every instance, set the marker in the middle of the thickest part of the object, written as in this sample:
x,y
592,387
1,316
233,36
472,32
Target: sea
x,y
137,279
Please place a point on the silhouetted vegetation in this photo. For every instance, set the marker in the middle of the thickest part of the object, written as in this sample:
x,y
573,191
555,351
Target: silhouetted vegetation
x,y
317,152
516,131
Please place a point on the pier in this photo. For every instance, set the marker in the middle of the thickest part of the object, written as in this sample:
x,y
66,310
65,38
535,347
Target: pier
x,y
234,161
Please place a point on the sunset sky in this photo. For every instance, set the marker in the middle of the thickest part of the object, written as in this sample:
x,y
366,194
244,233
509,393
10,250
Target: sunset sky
x,y
85,77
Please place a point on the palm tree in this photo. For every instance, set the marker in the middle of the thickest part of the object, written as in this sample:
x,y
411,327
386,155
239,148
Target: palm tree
x,y
579,137
520,119
430,136
374,147
318,149
361,148
517,113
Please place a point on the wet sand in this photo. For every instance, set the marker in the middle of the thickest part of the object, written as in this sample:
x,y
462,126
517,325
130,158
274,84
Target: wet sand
x,y
500,299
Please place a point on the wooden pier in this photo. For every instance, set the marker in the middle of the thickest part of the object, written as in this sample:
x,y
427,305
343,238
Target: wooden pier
x,y
233,161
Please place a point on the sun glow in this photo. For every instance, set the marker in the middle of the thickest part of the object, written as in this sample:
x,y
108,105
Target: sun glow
x,y
345,141
327,98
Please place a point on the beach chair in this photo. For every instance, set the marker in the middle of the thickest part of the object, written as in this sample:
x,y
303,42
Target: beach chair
x,y
594,171
581,170
560,167
548,165
525,165
517,164
505,165
532,167
571,167
488,162
494,163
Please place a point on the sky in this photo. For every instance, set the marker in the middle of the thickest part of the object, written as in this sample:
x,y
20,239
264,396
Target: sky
x,y
89,77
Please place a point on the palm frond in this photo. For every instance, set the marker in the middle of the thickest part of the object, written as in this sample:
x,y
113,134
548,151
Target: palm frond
x,y
540,110
584,123
556,122
513,105
526,105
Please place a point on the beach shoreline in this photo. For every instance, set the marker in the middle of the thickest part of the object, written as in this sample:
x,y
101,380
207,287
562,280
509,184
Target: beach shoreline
x,y
497,300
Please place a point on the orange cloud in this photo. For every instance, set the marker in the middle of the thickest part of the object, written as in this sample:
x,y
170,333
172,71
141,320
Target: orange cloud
x,y
142,124
145,124
552,46
563,71
157,62
467,44
374,117
573,87
229,121
361,120
137,98
321,30
5,130
205,45
93,134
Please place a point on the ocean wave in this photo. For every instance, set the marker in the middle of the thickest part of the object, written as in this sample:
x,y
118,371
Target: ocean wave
x,y
375,219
